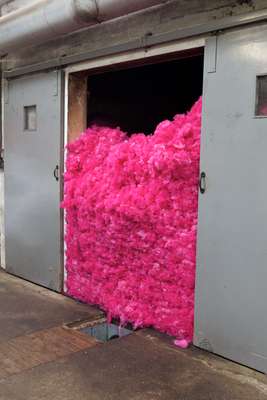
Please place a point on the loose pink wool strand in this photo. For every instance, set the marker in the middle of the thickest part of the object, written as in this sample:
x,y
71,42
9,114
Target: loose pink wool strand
x,y
131,214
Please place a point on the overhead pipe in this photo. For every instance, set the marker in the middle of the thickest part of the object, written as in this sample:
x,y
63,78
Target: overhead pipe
x,y
44,20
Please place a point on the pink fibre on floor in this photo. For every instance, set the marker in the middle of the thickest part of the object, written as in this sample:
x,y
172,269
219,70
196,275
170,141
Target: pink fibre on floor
x,y
131,213
183,343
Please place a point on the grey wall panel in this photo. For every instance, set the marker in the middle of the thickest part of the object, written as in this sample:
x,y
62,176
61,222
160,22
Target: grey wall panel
x,y
32,194
231,285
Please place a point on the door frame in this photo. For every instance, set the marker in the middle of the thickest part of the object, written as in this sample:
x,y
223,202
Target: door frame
x,y
127,59
158,53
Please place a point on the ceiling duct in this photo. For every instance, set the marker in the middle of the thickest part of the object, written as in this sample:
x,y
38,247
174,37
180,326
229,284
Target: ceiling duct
x,y
44,20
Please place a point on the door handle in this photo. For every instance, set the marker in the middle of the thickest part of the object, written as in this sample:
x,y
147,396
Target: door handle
x,y
56,171
202,182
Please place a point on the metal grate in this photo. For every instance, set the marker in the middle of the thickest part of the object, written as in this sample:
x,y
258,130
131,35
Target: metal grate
x,y
105,331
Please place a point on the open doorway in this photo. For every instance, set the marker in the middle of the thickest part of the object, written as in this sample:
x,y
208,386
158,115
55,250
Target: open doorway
x,y
137,99
132,251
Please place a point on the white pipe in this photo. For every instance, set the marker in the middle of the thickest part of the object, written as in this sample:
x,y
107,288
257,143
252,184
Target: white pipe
x,y
109,9
47,19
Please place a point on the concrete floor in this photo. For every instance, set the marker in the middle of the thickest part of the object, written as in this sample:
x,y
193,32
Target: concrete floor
x,y
41,360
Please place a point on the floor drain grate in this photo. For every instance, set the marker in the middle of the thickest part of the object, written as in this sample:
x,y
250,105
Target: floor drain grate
x,y
105,331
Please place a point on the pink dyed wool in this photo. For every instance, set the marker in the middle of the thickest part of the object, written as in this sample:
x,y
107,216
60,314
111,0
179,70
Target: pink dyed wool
x,y
131,211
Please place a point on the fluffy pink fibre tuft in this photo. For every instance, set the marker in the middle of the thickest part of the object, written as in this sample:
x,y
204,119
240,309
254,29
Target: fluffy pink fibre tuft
x,y
131,213
183,343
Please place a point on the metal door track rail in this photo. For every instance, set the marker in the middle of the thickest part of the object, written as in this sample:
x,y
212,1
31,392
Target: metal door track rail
x,y
146,41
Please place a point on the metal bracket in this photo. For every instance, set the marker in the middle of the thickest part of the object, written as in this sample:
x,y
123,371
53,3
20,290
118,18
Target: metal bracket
x,y
56,173
144,41
211,54
202,182
6,90
56,84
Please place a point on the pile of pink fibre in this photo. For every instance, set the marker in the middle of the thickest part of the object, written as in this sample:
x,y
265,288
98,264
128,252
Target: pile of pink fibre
x,y
131,213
